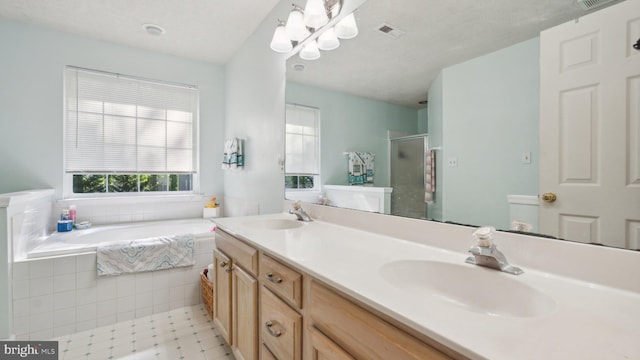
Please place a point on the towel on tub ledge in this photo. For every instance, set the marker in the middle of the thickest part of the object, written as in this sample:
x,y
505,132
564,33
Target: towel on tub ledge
x,y
159,253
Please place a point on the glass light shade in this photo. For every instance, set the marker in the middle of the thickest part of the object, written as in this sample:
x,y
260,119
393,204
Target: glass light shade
x,y
296,29
280,41
347,28
310,51
328,40
315,15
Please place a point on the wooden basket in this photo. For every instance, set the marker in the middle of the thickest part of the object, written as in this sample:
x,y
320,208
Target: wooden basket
x,y
207,293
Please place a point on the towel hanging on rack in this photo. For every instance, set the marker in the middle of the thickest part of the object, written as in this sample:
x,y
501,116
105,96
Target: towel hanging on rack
x,y
360,167
233,157
429,176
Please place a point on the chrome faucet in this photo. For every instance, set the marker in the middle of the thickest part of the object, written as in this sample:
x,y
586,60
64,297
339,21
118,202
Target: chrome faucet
x,y
485,252
299,212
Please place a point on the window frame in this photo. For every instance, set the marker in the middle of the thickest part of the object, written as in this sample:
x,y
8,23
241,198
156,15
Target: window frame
x,y
67,180
316,177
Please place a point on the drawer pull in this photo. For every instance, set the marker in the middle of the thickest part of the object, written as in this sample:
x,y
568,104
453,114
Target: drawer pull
x,y
271,328
276,279
223,264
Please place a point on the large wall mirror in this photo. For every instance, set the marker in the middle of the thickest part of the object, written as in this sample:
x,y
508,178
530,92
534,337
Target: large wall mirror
x,y
478,65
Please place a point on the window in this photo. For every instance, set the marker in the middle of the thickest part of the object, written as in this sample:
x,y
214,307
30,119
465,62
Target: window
x,y
302,147
128,135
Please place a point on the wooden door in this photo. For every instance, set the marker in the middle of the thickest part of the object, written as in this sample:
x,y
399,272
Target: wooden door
x,y
590,128
245,315
222,302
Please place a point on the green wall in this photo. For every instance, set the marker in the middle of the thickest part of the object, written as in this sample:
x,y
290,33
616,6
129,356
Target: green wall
x,y
489,119
352,123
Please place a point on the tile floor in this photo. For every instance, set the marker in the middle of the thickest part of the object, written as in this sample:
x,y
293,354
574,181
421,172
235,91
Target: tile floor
x,y
186,333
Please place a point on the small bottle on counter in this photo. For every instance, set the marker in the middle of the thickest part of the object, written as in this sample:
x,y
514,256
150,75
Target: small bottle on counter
x,y
65,215
72,213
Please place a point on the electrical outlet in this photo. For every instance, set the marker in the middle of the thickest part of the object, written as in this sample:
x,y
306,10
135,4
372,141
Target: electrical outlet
x,y
526,157
453,162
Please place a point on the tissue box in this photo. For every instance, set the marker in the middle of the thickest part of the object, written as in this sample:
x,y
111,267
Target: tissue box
x,y
208,213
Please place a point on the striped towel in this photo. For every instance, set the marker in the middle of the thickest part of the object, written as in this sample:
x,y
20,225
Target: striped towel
x,y
163,252
429,176
233,157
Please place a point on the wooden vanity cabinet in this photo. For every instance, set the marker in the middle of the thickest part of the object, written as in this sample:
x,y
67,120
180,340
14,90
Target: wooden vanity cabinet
x,y
351,329
236,309
266,309
222,295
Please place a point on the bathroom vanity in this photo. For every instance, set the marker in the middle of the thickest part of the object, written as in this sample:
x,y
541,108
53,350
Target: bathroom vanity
x,y
353,285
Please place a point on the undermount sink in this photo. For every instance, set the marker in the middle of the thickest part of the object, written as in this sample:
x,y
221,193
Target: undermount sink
x,y
275,224
472,288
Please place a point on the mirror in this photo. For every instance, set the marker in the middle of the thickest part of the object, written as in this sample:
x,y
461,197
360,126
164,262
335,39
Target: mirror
x,y
477,63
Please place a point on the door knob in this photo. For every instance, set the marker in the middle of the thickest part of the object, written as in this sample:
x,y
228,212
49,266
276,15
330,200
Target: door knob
x,y
549,197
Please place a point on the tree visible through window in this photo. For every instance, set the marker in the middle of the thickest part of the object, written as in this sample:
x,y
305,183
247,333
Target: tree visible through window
x,y
124,134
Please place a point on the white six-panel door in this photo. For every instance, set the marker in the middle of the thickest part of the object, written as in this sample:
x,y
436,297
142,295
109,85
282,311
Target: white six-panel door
x,y
590,128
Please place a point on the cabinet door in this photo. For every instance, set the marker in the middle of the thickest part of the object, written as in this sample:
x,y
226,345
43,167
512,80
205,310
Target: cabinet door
x,y
222,301
245,315
325,349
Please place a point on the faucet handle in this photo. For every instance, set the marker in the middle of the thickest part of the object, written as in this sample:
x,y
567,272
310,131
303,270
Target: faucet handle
x,y
484,236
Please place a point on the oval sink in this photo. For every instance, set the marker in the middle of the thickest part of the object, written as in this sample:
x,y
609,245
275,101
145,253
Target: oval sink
x,y
275,224
472,288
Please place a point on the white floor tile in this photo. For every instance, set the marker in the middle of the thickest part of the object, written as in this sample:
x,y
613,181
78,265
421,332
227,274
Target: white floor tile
x,y
184,333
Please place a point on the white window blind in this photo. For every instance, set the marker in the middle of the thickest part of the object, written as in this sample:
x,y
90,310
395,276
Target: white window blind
x,y
302,140
120,124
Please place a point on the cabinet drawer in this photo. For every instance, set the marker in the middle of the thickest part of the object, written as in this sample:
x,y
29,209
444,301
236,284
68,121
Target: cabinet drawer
x,y
361,333
265,353
241,253
325,349
283,280
281,327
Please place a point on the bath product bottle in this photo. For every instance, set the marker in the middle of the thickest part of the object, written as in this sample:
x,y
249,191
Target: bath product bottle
x,y
65,215
72,213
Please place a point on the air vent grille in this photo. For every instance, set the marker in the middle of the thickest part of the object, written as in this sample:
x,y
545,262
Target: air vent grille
x,y
592,4
390,30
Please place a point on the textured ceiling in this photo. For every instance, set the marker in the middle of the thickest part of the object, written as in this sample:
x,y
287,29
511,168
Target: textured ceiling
x,y
207,30
438,34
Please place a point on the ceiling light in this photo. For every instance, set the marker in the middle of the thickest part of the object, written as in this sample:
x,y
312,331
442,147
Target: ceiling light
x,y
328,40
347,28
315,14
153,29
295,25
281,42
310,51
302,25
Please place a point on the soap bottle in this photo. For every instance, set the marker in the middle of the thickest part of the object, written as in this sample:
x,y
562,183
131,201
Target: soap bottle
x,y
72,213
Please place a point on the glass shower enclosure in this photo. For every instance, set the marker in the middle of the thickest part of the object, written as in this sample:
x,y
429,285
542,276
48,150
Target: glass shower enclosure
x,y
407,175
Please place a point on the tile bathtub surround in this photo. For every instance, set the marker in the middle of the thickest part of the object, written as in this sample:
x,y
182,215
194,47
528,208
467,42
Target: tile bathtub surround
x,y
62,295
183,333
127,209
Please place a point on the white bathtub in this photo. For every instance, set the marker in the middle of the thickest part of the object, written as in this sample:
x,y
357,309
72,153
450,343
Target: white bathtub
x,y
87,240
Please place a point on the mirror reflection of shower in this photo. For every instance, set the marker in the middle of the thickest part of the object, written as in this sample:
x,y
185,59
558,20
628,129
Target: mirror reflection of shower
x,y
407,175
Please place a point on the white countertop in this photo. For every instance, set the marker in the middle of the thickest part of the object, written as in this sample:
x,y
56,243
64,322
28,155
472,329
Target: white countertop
x,y
581,320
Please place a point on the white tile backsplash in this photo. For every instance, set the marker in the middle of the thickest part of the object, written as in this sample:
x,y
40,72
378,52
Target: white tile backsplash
x,y
64,295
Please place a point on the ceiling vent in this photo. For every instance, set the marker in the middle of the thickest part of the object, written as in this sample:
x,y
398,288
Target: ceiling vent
x,y
592,4
390,30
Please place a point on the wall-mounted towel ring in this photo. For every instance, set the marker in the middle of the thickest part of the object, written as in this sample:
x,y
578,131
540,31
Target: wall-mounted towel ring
x,y
637,45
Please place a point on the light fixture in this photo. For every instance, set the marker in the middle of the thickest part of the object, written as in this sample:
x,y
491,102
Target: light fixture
x,y
302,24
310,51
328,40
281,42
315,14
295,25
153,29
347,28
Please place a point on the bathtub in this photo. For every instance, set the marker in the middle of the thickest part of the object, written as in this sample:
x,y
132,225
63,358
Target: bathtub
x,y
87,240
